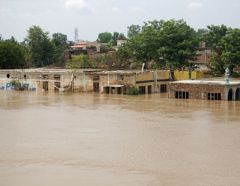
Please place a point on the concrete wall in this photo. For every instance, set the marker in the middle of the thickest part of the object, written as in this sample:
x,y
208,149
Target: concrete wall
x,y
184,75
84,81
196,91
201,91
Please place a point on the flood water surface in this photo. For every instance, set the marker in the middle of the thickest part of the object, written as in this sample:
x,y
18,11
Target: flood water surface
x,y
112,140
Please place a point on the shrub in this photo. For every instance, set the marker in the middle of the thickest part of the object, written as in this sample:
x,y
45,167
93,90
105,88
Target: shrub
x,y
132,91
16,85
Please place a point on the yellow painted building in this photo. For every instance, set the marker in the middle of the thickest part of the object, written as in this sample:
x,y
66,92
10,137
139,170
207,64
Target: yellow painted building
x,y
184,75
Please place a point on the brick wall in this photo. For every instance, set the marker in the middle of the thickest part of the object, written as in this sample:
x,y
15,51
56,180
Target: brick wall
x,y
196,91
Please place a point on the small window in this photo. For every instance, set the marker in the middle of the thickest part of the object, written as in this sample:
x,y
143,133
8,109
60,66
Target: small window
x,y
181,95
8,75
214,96
163,88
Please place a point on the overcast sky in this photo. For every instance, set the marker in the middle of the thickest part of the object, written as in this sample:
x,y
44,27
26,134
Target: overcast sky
x,y
94,16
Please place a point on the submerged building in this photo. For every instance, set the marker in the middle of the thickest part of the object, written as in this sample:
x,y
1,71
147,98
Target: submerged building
x,y
119,82
205,90
86,80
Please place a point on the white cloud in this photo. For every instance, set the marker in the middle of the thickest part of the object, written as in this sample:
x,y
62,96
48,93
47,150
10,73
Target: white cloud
x,y
195,5
76,4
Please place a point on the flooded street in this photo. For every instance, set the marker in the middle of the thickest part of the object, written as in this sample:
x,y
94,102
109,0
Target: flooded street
x,y
112,140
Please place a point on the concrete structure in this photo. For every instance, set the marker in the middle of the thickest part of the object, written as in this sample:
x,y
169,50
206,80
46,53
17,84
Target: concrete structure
x,y
87,80
184,75
205,90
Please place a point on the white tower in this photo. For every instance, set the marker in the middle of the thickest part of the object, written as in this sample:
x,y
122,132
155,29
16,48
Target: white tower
x,y
76,35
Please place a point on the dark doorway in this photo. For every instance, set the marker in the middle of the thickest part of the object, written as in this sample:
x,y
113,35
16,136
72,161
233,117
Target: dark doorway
x,y
57,86
149,89
106,90
238,94
45,85
96,87
119,90
142,90
230,95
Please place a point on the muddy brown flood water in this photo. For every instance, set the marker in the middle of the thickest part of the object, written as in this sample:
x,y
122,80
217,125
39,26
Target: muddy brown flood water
x,y
101,140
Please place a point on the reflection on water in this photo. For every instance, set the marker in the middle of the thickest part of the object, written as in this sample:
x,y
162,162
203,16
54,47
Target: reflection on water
x,y
92,140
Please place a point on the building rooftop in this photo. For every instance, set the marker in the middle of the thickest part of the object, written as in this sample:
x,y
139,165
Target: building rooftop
x,y
207,81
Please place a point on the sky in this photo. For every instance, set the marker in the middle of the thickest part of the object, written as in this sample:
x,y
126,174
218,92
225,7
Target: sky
x,y
94,16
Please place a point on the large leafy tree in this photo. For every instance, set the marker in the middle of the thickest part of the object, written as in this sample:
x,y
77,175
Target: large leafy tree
x,y
40,46
168,43
60,44
117,36
12,54
231,53
215,40
104,37
133,30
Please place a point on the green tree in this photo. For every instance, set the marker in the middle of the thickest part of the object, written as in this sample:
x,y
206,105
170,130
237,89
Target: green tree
x,y
167,43
201,33
12,54
41,48
117,36
104,37
215,40
114,38
133,30
60,44
231,53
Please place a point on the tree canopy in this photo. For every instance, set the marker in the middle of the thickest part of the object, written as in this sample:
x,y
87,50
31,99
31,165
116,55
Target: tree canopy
x,y
224,43
104,37
12,54
40,46
167,43
133,30
107,37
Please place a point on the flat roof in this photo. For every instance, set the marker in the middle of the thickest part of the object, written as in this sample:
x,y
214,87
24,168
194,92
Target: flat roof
x,y
213,82
113,86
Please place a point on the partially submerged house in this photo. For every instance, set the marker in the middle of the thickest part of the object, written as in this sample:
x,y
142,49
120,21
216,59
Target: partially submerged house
x,y
87,80
205,90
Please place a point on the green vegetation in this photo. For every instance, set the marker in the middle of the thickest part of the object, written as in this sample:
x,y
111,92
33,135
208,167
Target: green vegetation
x,y
78,61
37,50
16,84
224,43
44,51
170,44
133,30
132,91
161,44
12,54
111,39
102,61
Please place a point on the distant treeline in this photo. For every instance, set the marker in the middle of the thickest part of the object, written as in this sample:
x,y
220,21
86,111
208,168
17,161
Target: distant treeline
x,y
159,44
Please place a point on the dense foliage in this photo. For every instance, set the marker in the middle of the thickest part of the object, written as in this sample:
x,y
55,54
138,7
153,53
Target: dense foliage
x,y
12,54
170,44
111,39
224,43
166,43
